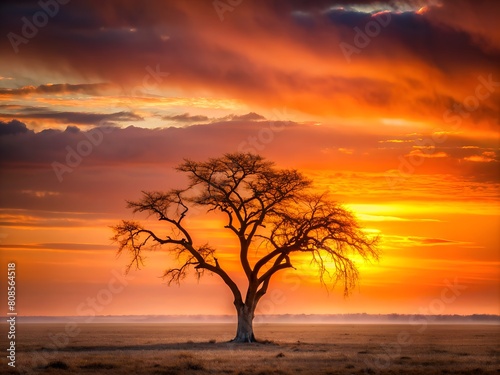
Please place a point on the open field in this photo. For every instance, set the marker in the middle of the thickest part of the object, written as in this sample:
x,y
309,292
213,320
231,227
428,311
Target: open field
x,y
175,349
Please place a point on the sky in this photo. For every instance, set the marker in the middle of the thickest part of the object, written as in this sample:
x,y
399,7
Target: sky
x,y
391,106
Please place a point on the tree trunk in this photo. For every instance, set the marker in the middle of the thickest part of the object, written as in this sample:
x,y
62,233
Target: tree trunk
x,y
244,332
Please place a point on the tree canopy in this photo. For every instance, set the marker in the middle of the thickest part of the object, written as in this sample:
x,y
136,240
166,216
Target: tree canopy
x,y
275,209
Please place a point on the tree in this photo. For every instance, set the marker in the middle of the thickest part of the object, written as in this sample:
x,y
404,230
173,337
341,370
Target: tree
x,y
275,209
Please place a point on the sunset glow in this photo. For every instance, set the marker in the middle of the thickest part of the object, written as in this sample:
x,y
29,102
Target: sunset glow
x,y
399,123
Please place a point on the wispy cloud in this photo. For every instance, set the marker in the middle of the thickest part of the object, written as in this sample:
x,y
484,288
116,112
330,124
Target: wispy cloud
x,y
60,246
62,88
78,118
186,117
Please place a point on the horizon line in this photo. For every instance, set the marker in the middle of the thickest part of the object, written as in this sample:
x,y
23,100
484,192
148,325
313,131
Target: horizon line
x,y
379,315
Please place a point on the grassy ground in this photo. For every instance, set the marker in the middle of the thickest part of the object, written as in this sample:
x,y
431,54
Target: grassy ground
x,y
173,349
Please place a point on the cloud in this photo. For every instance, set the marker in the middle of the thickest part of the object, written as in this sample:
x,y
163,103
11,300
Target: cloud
x,y
58,246
396,141
427,154
412,241
35,217
40,193
252,116
347,151
13,127
368,217
432,241
485,157
63,88
477,19
324,147
80,118
243,57
186,117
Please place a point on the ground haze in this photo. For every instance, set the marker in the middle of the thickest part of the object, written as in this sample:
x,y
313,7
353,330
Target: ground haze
x,y
171,349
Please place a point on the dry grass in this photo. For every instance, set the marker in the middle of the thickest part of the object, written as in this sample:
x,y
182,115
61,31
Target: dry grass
x,y
168,349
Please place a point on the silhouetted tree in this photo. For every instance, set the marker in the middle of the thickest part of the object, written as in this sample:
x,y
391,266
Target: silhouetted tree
x,y
264,205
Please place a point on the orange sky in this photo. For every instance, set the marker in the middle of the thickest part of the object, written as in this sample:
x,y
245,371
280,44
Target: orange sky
x,y
108,97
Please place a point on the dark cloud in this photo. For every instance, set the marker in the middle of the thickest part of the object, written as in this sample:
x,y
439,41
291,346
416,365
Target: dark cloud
x,y
72,129
13,127
186,117
323,146
416,66
63,88
80,118
102,167
479,19
130,36
252,116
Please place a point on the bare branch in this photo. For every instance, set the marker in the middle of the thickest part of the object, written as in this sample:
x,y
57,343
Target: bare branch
x,y
261,202
322,228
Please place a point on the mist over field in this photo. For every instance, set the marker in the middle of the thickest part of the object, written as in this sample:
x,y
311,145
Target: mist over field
x,y
281,318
